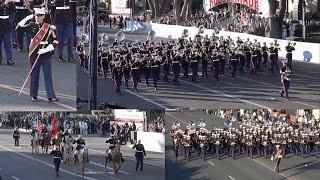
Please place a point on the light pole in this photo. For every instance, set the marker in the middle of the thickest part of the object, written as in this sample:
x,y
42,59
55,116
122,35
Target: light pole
x,y
303,20
93,63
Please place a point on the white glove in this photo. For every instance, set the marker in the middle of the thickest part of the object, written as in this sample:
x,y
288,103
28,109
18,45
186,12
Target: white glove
x,y
45,50
53,27
23,22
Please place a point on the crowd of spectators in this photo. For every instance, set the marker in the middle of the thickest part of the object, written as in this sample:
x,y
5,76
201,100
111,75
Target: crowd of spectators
x,y
268,118
78,123
243,21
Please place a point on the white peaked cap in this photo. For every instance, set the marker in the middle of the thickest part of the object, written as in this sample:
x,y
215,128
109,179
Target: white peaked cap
x,y
40,11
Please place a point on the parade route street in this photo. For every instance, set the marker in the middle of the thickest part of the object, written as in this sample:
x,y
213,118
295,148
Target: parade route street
x,y
242,168
13,77
245,91
18,162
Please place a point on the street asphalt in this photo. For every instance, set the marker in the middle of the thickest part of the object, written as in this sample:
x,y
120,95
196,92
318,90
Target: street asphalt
x,y
244,92
13,77
242,168
17,163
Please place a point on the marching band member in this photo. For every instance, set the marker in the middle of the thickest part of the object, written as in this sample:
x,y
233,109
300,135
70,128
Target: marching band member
x,y
278,156
289,50
63,21
6,7
285,80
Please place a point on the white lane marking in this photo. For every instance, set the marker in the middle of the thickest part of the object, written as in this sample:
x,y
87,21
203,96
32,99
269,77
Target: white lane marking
x,y
67,107
232,178
146,99
132,159
226,95
15,178
211,163
97,164
47,164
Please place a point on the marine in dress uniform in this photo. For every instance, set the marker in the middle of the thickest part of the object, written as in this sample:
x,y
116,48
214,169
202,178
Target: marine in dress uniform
x,y
117,76
155,71
265,54
233,63
40,51
285,80
278,156
215,65
204,65
135,73
21,12
194,62
166,67
289,49
16,136
73,8
57,157
140,153
176,69
6,7
63,21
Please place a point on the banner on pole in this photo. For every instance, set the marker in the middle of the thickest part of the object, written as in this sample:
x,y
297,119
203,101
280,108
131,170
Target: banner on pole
x,y
253,4
54,126
120,7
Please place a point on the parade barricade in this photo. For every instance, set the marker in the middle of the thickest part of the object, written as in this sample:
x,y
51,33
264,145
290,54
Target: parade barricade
x,y
152,141
308,52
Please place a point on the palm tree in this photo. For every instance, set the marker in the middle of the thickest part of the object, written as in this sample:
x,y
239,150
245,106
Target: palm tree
x,y
276,18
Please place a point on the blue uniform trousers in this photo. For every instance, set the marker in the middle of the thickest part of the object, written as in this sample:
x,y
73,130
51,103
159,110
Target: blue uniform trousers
x,y
47,73
6,41
65,32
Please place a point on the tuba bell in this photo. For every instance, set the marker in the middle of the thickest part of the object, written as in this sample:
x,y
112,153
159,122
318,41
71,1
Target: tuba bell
x,y
104,38
84,39
201,29
151,35
185,33
119,36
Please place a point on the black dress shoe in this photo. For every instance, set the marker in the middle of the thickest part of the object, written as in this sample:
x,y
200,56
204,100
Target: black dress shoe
x,y
10,62
71,59
51,100
61,59
34,99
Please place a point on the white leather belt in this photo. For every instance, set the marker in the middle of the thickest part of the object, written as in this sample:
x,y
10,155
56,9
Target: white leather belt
x,y
64,7
155,66
44,42
139,151
20,7
56,157
175,61
134,68
233,59
4,17
289,52
272,53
